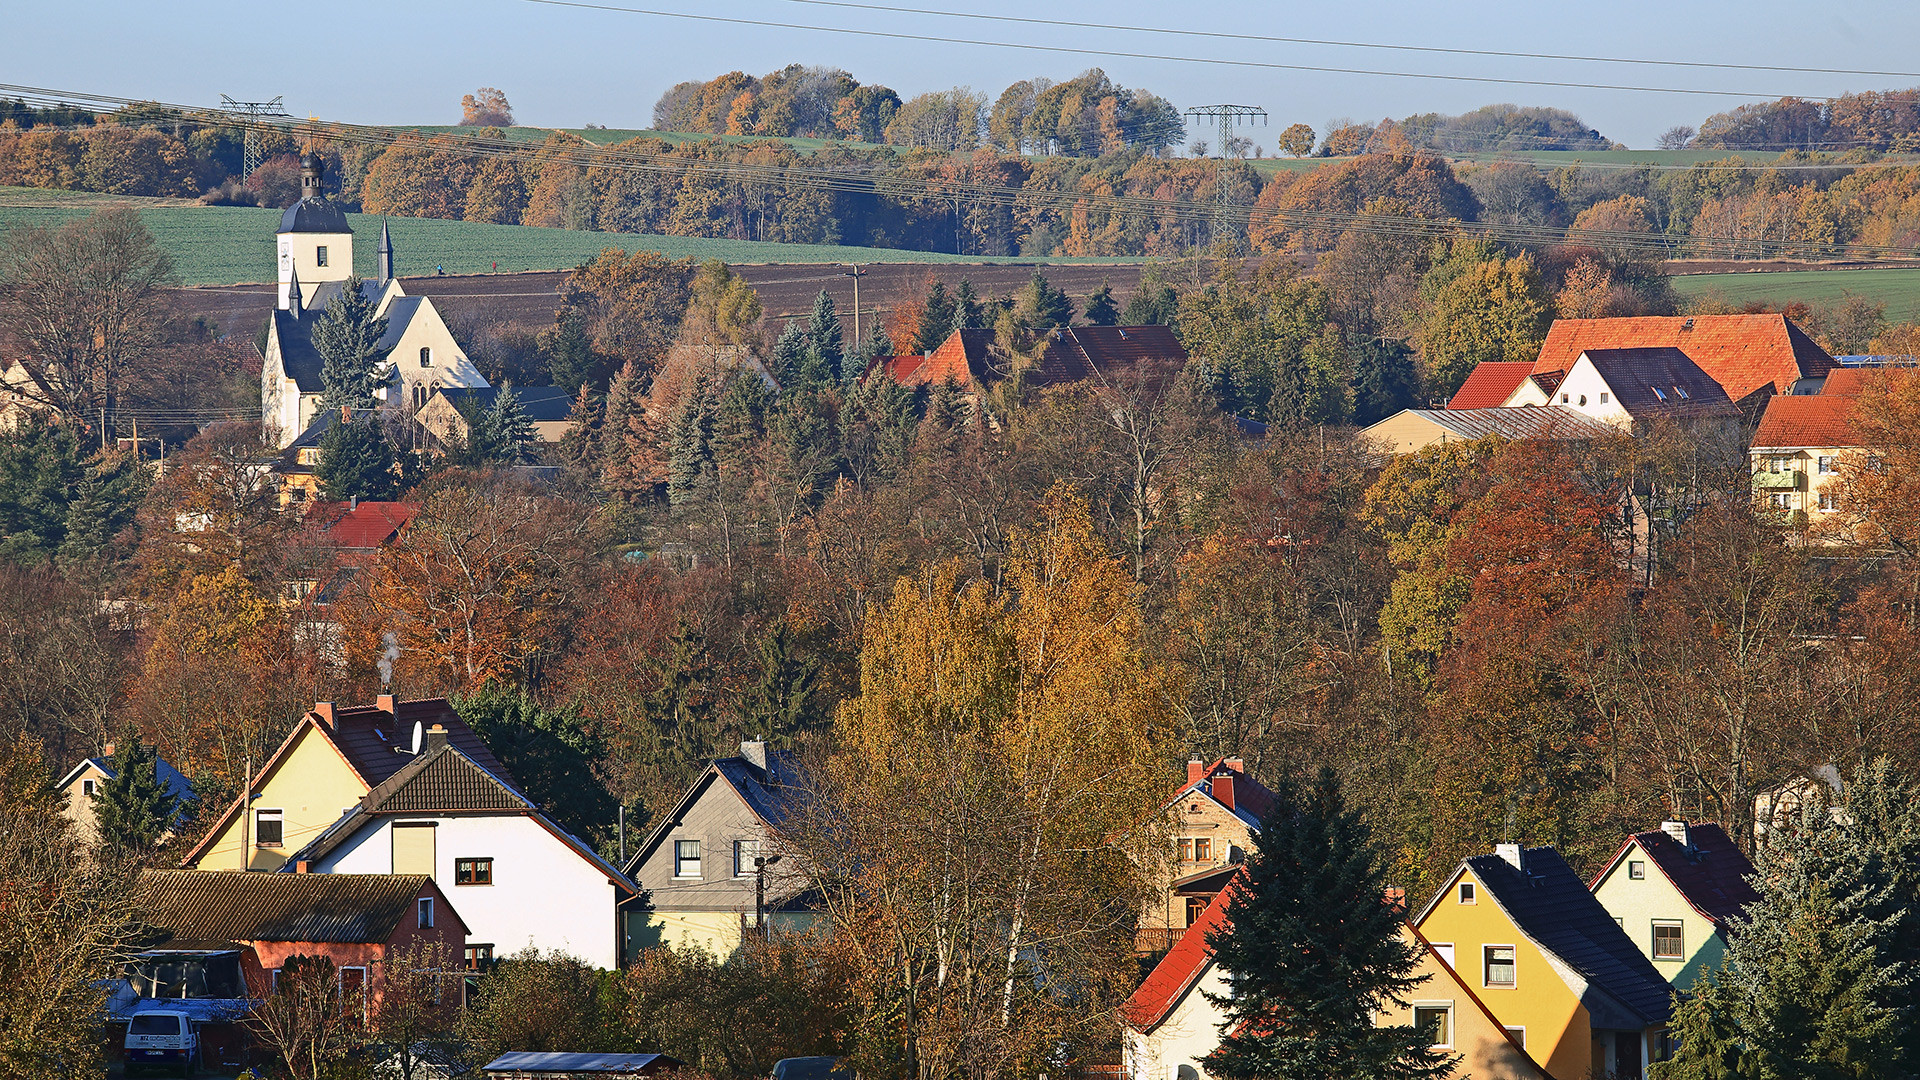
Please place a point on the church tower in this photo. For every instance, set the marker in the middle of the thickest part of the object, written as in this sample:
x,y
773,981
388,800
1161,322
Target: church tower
x,y
314,238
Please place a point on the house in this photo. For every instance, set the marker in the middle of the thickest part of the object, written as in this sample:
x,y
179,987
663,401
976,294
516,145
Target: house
x,y
1633,389
86,779
1173,1023
351,535
1751,357
1674,890
975,359
1490,383
714,868
1550,963
320,772
544,1065
549,409
518,877
18,396
1412,430
296,467
1211,821
315,260
1804,446
220,937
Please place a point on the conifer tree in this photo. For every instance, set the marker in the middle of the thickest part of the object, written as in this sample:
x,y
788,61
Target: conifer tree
x,y
104,504
1041,306
1313,949
875,345
789,355
568,345
936,319
968,312
825,346
507,428
623,397
356,461
133,808
39,469
580,446
347,336
1102,309
690,447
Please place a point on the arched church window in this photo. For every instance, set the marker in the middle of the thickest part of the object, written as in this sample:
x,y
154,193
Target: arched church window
x,y
419,398
426,356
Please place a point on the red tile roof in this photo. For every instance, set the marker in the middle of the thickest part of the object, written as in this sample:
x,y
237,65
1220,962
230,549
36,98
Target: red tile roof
x,y
1853,381
1072,353
364,527
1177,972
1709,871
1489,383
1742,353
1809,421
1226,781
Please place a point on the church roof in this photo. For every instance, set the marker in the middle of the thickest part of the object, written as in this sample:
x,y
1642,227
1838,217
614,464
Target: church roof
x,y
399,316
314,215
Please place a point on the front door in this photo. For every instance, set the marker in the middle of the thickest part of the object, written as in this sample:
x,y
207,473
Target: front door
x,y
1626,1055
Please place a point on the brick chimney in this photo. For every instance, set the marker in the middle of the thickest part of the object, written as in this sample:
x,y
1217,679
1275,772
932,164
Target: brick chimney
x,y
324,710
1223,790
1677,830
107,750
1196,770
436,738
301,866
1236,764
385,704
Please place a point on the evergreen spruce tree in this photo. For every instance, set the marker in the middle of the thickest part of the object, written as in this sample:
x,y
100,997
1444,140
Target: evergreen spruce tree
x,y
40,471
739,419
784,703
103,506
789,355
936,319
1811,985
1041,306
1312,950
133,809
508,431
968,312
875,345
356,461
1102,309
568,345
824,344
623,403
1154,303
690,448
1385,380
347,336
580,446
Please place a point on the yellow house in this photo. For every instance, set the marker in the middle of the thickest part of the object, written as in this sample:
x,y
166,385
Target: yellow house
x,y
1550,963
330,760
1172,1023
86,780
1673,890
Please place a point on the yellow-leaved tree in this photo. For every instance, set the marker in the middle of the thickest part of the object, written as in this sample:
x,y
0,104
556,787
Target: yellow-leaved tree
x,y
979,828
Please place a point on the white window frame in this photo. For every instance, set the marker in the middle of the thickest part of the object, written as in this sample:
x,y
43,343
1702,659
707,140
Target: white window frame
x,y
1636,870
681,862
1827,465
278,816
1467,894
1486,967
87,787
1443,1006
1518,1032
1780,500
423,913
744,852
1829,502
1443,950
1653,938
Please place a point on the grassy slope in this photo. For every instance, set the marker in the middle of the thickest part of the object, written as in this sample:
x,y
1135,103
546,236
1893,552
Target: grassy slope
x,y
1898,289
225,245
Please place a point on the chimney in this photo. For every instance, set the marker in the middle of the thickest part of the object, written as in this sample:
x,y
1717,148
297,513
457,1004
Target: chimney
x,y
1511,853
1236,764
346,414
107,750
1223,790
436,738
300,866
755,751
1196,770
324,710
385,704
1677,830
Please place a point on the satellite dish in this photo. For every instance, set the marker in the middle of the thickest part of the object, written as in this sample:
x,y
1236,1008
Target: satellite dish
x,y
416,738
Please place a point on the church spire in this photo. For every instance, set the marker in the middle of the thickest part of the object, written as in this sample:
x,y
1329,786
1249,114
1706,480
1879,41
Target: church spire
x,y
293,294
386,253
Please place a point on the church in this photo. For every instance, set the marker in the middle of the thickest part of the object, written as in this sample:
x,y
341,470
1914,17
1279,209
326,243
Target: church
x,y
316,259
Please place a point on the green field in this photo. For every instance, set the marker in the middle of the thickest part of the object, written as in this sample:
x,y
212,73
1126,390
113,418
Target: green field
x,y
1898,289
231,245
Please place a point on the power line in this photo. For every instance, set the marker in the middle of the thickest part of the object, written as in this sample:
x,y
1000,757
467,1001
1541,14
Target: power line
x,y
1121,54
1441,50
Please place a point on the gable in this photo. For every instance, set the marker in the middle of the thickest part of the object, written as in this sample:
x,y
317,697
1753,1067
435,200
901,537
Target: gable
x,y
1490,383
710,797
307,778
1743,353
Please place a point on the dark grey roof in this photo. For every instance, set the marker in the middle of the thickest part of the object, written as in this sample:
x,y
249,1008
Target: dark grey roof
x,y
323,421
213,907
315,215
1655,382
299,360
540,404
1551,905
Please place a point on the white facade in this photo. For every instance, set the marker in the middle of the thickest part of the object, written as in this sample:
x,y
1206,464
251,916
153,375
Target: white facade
x,y
318,257
423,352
545,893
1585,392
1182,1041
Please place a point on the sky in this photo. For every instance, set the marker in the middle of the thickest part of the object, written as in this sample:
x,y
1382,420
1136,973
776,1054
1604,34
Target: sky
x,y
409,61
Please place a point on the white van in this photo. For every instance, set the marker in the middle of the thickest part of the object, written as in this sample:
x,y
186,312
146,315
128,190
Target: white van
x,y
165,1039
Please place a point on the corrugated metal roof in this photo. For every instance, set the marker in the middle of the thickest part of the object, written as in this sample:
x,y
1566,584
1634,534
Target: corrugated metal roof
x,y
1520,422
532,1061
212,907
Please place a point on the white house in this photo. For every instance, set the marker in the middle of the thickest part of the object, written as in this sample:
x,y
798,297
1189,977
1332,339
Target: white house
x,y
517,878
315,260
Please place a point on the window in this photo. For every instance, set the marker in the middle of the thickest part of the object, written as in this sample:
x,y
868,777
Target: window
x,y
1780,500
1437,1022
744,853
1659,393
1829,502
1669,941
1196,907
473,871
686,858
1828,465
1197,850
426,356
320,255
1682,391
1583,399
1563,399
353,991
86,788
268,828
1603,397
1636,870
1519,1036
1780,464
419,398
479,957
1497,961
424,915
1444,950
1466,892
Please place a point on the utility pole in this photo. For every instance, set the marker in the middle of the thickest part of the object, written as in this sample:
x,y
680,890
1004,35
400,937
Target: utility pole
x,y
1227,116
856,274
254,112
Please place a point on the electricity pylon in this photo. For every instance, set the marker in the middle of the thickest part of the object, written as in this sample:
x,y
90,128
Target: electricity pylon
x,y
1227,116
254,112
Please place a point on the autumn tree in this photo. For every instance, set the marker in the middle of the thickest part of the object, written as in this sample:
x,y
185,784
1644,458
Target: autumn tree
x,y
550,1002
1297,140
419,1002
212,509
485,107
305,1018
1024,732
62,665
83,304
632,303
1480,306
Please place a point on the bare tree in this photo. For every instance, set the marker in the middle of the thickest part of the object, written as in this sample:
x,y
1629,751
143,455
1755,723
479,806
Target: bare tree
x,y
1677,138
420,989
305,1018
82,304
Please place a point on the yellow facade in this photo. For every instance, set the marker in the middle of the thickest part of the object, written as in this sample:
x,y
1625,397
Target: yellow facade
x,y
1640,904
1472,1034
1557,1033
311,786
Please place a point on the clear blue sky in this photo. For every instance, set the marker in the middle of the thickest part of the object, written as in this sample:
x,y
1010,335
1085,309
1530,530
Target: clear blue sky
x,y
408,61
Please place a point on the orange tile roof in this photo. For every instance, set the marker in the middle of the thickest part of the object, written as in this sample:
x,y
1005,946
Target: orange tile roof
x,y
1489,384
1742,353
962,358
364,527
1853,381
1811,421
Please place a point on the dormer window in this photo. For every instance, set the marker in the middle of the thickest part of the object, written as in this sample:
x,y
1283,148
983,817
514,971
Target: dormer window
x,y
1659,393
320,255
1682,391
426,356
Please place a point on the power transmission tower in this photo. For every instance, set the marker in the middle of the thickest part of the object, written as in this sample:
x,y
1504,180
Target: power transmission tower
x,y
1227,116
253,112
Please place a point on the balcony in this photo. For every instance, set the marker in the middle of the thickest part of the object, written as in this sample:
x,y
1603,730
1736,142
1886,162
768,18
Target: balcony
x,y
1776,481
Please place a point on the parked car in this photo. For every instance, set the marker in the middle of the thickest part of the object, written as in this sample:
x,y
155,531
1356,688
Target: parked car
x,y
166,1039
811,1068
